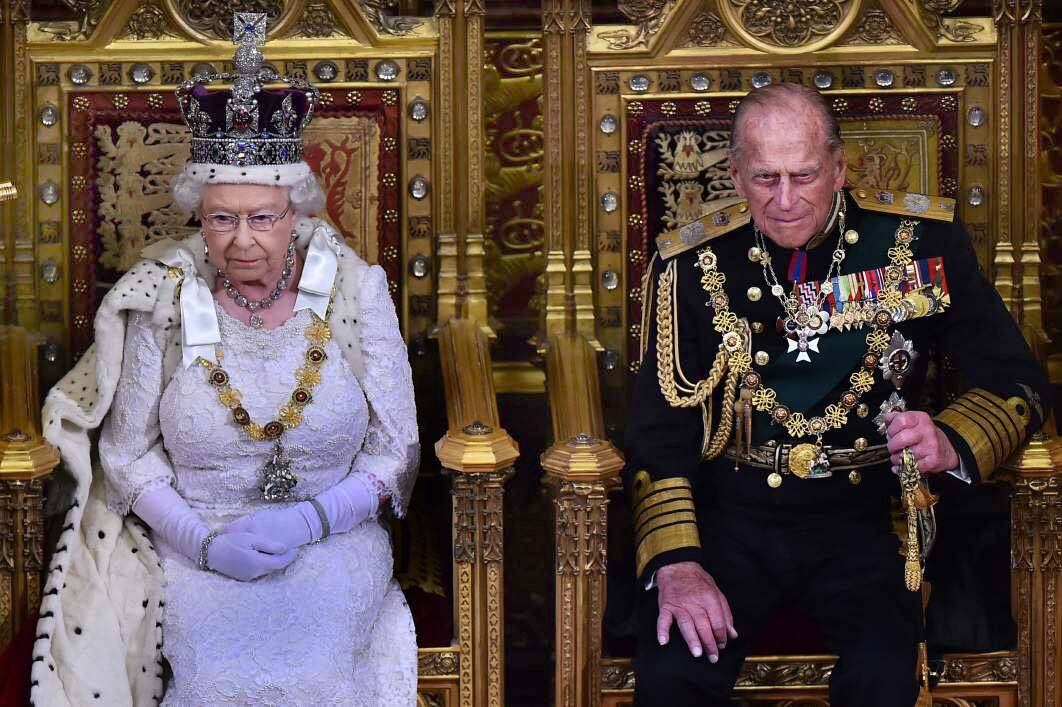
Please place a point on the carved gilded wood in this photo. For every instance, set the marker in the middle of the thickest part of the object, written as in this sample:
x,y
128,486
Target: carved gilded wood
x,y
926,97
1051,191
965,680
91,102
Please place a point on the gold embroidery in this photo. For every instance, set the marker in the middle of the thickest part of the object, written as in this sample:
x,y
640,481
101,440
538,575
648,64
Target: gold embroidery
x,y
991,427
661,540
938,208
665,519
709,226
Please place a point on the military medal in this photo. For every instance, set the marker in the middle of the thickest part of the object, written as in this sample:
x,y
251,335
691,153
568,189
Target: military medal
x,y
898,359
804,321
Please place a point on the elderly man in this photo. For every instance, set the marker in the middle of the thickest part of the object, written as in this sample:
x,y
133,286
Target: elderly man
x,y
785,334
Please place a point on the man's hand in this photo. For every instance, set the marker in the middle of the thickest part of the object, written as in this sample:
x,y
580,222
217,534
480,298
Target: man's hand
x,y
689,596
932,448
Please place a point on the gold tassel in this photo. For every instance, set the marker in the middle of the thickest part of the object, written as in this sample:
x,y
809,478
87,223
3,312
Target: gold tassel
x,y
909,478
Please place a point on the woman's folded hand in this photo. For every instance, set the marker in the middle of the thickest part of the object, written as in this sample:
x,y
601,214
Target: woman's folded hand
x,y
290,526
246,556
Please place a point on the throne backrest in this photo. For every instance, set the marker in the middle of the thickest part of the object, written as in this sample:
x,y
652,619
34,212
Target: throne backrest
x,y
125,147
662,160
103,139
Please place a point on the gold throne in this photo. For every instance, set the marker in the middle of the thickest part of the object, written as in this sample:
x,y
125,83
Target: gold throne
x,y
637,111
93,137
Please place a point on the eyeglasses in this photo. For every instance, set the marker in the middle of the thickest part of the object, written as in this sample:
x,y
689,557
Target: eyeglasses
x,y
224,223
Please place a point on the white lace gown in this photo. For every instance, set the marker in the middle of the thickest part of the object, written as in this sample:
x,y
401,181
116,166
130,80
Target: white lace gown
x,y
301,636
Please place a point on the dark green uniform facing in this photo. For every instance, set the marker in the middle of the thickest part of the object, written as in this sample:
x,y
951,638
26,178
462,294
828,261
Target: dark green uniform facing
x,y
795,506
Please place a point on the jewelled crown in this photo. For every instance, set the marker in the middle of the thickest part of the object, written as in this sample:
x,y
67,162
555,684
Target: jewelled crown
x,y
247,126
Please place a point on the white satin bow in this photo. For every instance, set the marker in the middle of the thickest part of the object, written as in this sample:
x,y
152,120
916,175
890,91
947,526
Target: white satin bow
x,y
199,319
318,272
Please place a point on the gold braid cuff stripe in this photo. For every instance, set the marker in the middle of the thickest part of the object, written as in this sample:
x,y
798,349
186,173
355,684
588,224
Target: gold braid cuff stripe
x,y
671,537
664,517
989,425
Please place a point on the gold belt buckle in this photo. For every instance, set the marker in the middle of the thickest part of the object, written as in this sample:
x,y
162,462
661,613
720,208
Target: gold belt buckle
x,y
809,461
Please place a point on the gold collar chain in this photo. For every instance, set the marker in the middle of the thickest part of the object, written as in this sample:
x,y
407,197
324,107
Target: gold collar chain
x,y
764,398
278,481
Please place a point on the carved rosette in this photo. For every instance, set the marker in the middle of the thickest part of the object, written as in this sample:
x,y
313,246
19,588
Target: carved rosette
x,y
707,30
789,26
148,21
874,28
438,663
318,21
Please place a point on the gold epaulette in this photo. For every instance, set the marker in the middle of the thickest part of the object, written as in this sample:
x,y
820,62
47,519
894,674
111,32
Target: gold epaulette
x,y
707,227
902,203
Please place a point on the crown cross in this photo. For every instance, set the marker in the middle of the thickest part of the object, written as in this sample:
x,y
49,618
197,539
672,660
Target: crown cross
x,y
249,27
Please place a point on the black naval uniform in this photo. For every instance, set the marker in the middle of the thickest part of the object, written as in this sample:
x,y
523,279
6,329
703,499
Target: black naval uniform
x,y
826,544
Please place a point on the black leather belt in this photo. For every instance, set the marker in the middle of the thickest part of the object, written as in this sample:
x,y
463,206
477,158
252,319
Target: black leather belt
x,y
776,457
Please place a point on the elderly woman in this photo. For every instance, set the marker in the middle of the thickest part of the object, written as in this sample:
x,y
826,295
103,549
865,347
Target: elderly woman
x,y
257,413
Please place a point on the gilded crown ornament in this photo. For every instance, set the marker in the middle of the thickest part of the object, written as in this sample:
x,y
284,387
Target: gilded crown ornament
x,y
247,125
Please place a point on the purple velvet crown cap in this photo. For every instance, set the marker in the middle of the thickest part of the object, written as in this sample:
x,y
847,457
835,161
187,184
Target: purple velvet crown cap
x,y
277,117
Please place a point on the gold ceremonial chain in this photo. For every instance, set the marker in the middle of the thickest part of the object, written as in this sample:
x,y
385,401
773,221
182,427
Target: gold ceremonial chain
x,y
804,322
765,399
734,355
279,481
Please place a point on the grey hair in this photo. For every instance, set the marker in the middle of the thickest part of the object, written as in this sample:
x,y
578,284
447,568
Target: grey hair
x,y
306,196
776,95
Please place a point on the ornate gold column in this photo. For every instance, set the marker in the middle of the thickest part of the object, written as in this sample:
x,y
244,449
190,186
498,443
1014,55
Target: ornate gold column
x,y
581,469
567,173
26,460
1036,560
462,213
479,454
13,17
1017,255
446,174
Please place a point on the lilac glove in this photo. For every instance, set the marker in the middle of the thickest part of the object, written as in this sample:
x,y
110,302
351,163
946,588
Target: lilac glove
x,y
247,556
243,556
347,504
